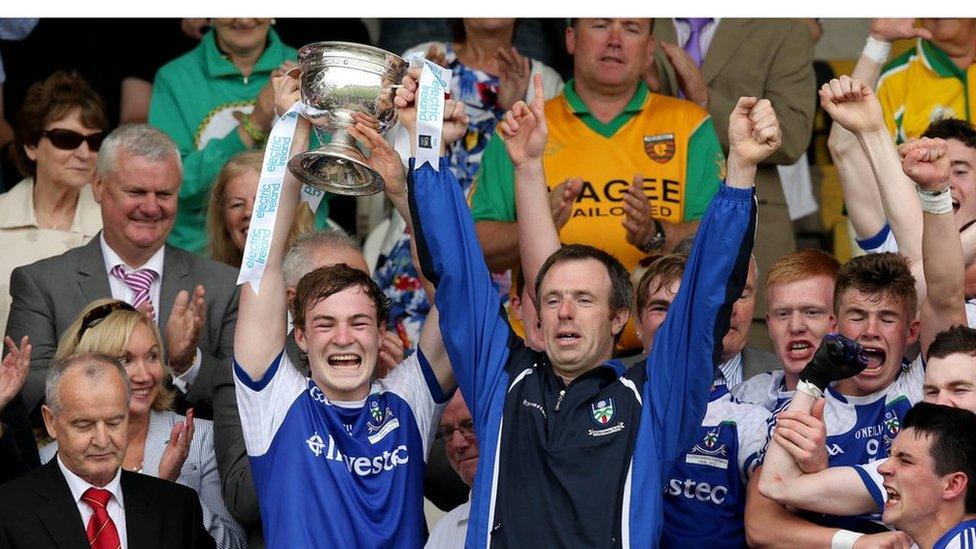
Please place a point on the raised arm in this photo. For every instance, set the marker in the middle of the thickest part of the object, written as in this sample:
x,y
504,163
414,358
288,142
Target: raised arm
x,y
680,367
473,330
261,317
861,194
524,131
384,158
925,161
853,105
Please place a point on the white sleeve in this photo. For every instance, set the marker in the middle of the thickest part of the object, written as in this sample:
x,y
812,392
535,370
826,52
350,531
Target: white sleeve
x,y
414,381
752,429
882,242
911,380
264,403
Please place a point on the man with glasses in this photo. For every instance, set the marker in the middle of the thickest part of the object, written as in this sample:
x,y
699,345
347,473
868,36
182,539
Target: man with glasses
x,y
461,448
136,183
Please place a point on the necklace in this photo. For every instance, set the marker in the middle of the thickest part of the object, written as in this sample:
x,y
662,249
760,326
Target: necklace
x,y
137,469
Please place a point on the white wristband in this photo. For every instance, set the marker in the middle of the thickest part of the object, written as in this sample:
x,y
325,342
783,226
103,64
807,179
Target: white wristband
x,y
805,386
844,539
876,50
935,202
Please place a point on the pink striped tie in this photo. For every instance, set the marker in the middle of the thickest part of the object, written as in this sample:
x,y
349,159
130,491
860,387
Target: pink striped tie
x,y
139,281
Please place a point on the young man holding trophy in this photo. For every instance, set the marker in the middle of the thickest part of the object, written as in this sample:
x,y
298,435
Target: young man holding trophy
x,y
337,459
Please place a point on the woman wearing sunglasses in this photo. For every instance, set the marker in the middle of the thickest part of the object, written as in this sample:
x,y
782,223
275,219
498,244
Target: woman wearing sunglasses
x,y
58,132
161,443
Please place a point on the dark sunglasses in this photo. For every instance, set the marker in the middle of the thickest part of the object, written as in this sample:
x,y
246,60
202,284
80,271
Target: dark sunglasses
x,y
98,314
69,140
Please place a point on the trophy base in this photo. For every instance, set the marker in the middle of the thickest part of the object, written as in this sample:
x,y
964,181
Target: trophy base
x,y
337,169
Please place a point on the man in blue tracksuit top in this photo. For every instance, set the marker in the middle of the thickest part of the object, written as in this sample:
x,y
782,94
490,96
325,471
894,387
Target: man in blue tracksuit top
x,y
574,447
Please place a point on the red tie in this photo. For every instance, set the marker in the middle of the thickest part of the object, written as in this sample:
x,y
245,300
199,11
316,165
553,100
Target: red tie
x,y
101,530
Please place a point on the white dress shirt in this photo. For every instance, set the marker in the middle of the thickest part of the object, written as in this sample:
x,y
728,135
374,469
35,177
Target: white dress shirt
x,y
682,31
122,292
450,531
731,371
115,507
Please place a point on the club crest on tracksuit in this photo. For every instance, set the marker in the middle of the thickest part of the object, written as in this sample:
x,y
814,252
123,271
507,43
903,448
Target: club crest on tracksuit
x,y
659,148
602,410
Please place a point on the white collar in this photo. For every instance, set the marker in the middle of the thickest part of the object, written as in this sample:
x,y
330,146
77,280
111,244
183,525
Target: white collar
x,y
731,370
155,263
79,486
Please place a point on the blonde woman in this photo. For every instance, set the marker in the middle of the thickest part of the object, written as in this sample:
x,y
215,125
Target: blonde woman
x,y
161,443
231,203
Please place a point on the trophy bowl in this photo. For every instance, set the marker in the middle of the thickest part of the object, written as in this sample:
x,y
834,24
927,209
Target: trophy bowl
x,y
342,83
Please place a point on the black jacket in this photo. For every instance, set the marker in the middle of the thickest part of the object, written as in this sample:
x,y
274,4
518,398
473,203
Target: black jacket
x,y
37,510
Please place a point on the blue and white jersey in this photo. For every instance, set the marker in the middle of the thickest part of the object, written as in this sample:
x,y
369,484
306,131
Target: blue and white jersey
x,y
861,429
961,536
705,494
873,481
330,474
767,390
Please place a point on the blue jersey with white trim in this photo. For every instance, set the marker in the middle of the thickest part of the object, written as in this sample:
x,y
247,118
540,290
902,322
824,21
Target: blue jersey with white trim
x,y
579,464
961,536
705,496
331,474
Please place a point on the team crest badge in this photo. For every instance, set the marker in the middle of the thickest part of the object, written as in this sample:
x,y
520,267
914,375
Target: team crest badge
x,y
710,439
659,148
602,411
892,423
374,410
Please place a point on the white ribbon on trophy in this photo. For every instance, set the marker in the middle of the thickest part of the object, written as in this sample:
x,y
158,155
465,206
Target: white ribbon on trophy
x,y
273,170
435,81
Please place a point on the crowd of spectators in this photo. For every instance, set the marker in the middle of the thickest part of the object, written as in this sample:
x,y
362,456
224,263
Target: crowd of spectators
x,y
600,285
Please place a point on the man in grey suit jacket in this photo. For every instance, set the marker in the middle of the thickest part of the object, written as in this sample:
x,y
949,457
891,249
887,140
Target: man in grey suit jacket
x,y
770,58
136,183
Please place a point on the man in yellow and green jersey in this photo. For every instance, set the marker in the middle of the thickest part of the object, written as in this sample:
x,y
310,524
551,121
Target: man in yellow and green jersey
x,y
605,128
931,81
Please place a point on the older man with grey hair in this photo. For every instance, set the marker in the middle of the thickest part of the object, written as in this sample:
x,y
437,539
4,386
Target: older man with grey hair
x,y
87,412
194,300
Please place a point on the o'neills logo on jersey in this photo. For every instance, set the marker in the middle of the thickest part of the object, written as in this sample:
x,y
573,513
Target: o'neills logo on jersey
x,y
659,148
606,199
361,466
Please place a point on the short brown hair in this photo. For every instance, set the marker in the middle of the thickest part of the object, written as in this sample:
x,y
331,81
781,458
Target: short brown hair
x,y
222,248
958,339
620,285
884,274
324,282
801,265
51,100
659,274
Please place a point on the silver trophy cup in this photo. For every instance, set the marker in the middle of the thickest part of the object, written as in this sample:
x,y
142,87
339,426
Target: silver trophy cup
x,y
342,84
